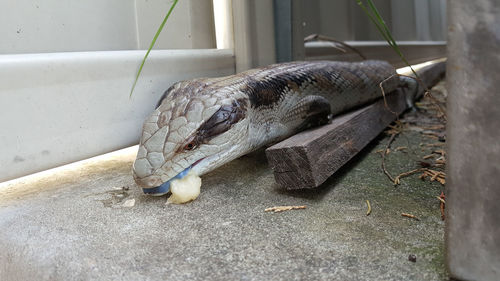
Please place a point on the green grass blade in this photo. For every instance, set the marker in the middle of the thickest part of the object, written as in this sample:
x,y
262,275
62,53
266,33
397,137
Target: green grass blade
x,y
379,22
387,32
376,13
372,18
152,45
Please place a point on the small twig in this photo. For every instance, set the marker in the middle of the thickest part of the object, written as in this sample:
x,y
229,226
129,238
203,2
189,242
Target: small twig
x,y
434,144
441,151
398,128
383,157
383,94
383,150
405,174
284,208
319,37
369,211
442,205
440,161
434,176
431,136
434,127
410,216
435,102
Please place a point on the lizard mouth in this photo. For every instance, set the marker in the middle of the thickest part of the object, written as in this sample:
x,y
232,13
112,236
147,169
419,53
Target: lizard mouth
x,y
164,188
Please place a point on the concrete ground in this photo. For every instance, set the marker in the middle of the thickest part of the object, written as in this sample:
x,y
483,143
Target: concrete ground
x,y
82,224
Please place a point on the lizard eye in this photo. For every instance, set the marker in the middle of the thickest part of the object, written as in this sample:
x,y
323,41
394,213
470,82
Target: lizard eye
x,y
190,146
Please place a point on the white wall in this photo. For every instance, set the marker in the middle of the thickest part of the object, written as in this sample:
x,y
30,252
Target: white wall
x,y
29,26
191,25
33,26
58,108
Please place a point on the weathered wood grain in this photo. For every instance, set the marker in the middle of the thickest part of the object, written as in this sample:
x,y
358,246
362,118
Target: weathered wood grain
x,y
307,159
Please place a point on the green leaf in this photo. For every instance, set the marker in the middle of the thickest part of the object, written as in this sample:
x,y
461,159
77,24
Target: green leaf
x,y
152,45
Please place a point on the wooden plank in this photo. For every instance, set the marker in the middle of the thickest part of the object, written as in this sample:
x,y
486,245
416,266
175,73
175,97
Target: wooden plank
x,y
307,159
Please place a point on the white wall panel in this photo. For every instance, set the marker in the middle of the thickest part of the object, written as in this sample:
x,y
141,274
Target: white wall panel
x,y
30,26
62,107
33,26
191,24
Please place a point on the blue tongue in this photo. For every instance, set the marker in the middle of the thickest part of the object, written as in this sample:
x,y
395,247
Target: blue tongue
x,y
165,187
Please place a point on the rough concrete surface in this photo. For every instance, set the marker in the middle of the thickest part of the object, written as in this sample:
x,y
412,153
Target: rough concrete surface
x,y
74,225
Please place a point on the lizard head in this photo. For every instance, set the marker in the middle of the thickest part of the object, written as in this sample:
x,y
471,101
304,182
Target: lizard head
x,y
194,128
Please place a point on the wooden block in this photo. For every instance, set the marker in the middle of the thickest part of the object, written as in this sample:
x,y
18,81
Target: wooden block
x,y
307,159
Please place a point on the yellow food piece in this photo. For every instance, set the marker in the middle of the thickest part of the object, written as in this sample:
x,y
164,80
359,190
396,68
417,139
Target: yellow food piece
x,y
185,189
